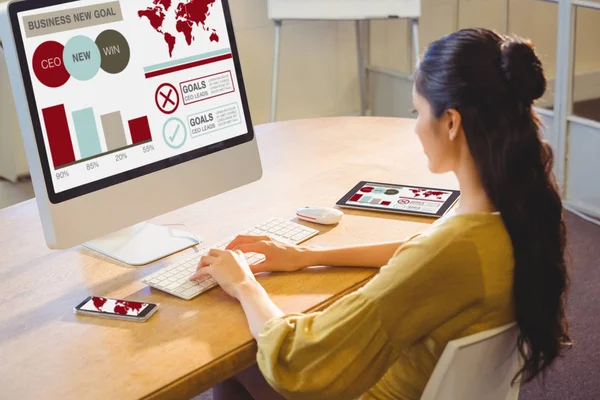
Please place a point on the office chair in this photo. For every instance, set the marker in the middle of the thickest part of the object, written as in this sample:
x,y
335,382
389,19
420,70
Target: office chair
x,y
477,367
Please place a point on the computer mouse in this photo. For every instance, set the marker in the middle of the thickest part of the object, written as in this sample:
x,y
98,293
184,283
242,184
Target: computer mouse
x,y
320,215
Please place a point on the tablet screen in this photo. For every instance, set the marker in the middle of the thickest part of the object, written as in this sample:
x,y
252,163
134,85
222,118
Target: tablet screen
x,y
400,198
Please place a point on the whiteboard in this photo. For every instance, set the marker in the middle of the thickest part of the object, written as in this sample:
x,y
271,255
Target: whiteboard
x,y
343,9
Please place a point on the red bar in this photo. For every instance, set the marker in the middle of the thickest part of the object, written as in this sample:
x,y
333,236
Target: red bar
x,y
188,65
140,130
59,136
356,197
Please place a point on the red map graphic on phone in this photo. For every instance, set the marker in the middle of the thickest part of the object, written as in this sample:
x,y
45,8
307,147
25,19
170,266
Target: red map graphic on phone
x,y
122,307
99,302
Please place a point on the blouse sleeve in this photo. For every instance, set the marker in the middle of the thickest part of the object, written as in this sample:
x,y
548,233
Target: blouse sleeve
x,y
343,351
335,354
430,281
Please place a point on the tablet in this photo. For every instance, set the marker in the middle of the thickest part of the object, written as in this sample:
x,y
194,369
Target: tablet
x,y
386,197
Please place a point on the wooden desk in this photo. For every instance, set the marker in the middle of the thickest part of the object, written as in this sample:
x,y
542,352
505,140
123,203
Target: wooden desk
x,y
46,352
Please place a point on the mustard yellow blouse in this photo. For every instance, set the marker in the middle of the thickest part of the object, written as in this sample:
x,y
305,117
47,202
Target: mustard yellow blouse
x,y
383,340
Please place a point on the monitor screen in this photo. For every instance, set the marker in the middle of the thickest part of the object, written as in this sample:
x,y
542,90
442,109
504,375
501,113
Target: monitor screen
x,y
121,88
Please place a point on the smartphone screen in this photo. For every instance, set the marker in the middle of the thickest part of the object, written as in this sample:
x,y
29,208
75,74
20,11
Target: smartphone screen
x,y
114,306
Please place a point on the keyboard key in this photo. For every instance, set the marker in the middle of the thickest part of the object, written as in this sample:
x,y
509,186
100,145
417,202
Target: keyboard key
x,y
187,285
190,292
208,284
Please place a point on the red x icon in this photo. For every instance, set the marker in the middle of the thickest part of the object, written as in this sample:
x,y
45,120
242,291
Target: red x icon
x,y
166,98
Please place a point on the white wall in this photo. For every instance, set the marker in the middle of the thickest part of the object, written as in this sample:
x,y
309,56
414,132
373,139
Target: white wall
x,y
583,185
318,61
318,68
13,162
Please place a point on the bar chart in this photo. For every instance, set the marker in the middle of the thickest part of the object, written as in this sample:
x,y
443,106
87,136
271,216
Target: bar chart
x,y
88,135
87,132
114,133
140,130
59,137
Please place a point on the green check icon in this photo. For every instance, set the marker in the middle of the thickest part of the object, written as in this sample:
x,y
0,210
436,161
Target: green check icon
x,y
174,133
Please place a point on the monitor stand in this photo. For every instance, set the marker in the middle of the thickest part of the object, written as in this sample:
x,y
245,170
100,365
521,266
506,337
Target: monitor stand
x,y
142,243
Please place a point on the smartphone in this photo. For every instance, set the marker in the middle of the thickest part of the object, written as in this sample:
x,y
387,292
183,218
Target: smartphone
x,y
116,308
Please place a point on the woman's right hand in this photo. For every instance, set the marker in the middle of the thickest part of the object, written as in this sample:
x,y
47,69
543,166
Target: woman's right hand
x,y
278,256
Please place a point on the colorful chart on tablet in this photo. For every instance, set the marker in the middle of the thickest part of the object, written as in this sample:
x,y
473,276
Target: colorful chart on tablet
x,y
400,198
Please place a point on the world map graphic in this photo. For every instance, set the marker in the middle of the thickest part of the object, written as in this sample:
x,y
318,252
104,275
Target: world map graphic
x,y
188,15
122,307
427,193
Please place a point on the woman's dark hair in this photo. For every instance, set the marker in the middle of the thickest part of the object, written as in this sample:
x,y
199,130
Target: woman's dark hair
x,y
492,81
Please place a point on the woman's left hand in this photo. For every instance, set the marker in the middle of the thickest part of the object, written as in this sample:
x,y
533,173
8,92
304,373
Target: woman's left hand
x,y
228,268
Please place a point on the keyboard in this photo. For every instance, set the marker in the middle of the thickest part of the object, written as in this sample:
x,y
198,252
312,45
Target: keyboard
x,y
174,278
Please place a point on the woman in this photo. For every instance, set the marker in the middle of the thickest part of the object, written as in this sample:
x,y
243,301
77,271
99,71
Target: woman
x,y
498,258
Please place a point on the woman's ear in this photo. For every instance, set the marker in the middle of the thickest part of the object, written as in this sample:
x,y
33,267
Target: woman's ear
x,y
454,123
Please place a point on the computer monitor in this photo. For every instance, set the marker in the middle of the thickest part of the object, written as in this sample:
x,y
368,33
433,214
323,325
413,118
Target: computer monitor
x,y
128,109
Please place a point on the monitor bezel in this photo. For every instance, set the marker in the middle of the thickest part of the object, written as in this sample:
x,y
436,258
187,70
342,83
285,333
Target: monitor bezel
x,y
55,198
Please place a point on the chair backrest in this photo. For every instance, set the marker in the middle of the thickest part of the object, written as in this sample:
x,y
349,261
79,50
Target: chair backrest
x,y
480,366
